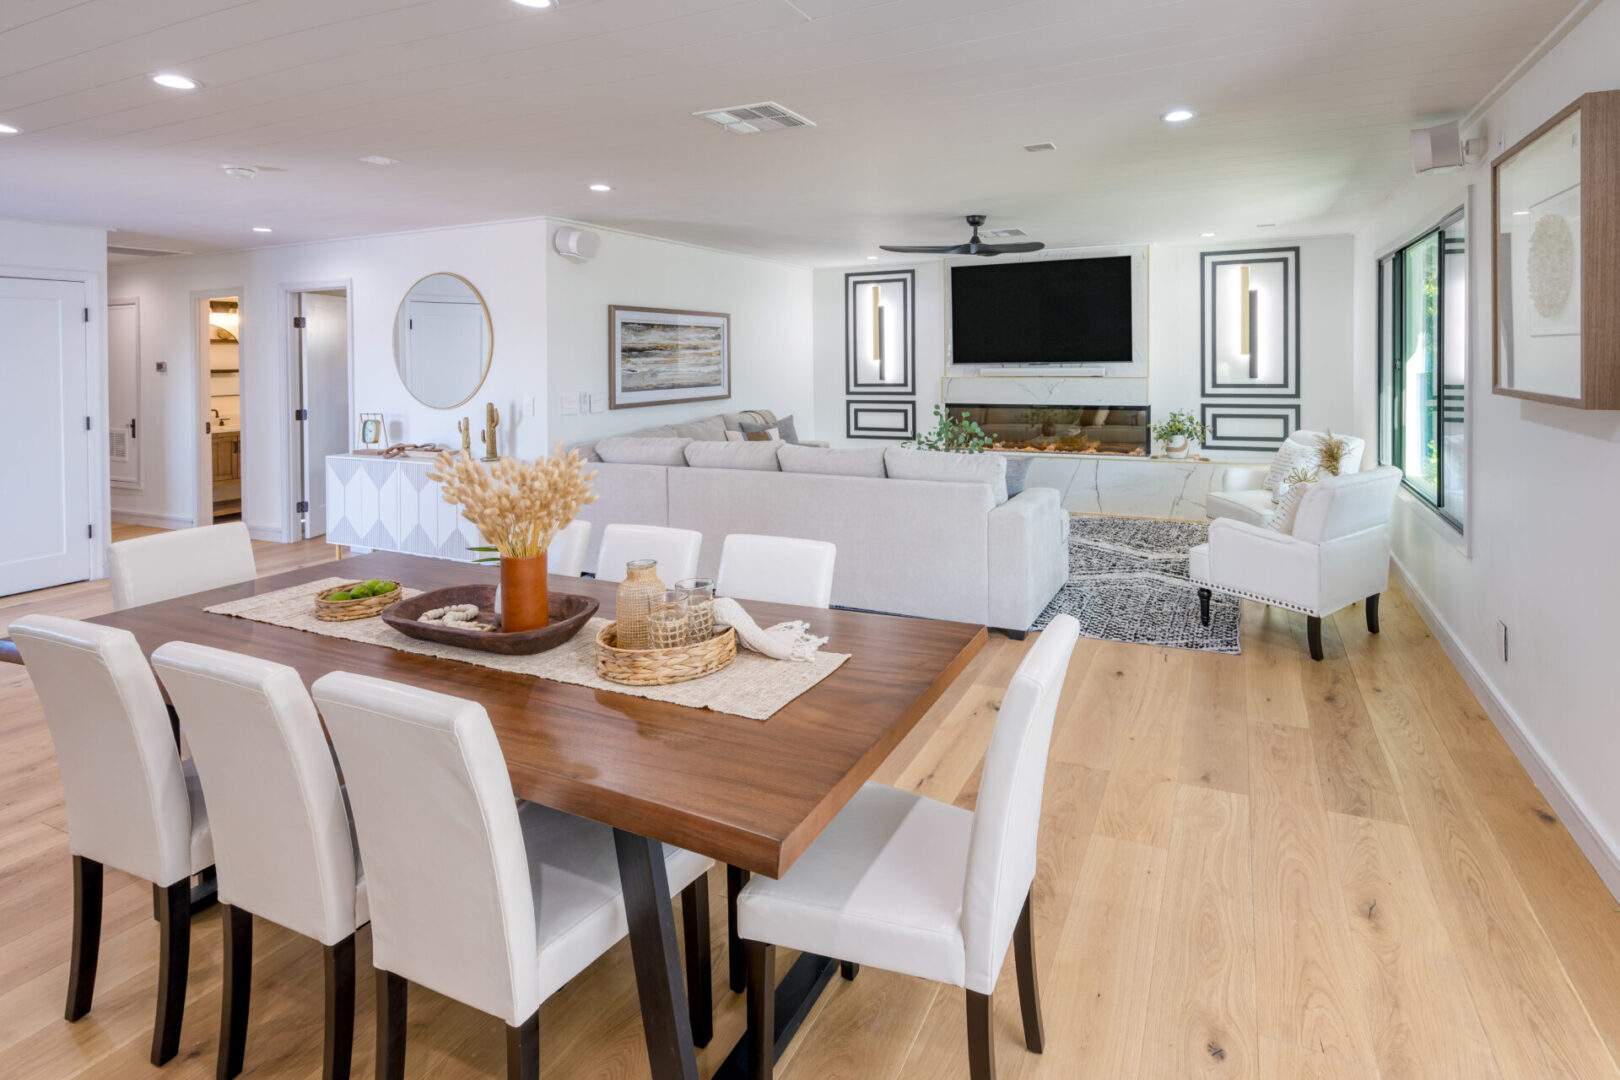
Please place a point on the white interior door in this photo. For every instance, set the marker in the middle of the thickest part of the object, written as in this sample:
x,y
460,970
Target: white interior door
x,y
446,343
45,490
325,382
124,393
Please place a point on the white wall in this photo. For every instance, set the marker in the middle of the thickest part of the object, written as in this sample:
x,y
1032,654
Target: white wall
x,y
1173,342
74,253
502,260
1543,519
769,305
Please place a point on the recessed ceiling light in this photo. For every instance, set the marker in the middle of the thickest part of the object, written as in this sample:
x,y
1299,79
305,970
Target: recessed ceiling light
x,y
1178,116
871,258
262,228
1521,213
7,129
596,187
378,159
533,3
175,82
1206,235
1266,225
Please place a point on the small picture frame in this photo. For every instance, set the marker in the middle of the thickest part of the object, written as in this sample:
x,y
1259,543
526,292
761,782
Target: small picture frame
x,y
371,430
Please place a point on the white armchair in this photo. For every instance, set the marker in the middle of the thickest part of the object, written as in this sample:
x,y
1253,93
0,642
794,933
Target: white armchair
x,y
1244,494
1337,553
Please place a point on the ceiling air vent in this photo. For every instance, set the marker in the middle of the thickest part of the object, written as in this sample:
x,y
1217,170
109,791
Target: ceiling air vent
x,y
1037,147
752,119
1002,234
147,253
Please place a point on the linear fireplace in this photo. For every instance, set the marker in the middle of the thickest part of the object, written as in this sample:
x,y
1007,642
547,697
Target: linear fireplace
x,y
1072,429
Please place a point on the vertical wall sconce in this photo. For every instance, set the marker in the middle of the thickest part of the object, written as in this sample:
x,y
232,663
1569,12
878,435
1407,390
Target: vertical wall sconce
x,y
1248,320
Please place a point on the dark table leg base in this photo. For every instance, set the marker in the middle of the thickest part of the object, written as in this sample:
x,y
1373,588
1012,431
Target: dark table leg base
x,y
657,957
795,995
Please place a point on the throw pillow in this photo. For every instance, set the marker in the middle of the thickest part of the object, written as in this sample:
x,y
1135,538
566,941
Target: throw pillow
x,y
784,426
1291,493
709,429
635,450
1282,463
858,461
1017,474
735,436
769,434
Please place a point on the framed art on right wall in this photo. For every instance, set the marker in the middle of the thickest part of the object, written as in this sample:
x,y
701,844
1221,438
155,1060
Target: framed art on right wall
x,y
1555,207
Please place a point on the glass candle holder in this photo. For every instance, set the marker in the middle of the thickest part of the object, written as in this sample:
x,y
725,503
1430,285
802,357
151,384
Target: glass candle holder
x,y
699,606
639,587
666,621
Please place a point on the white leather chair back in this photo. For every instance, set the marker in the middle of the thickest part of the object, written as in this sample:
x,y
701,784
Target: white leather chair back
x,y
447,875
127,804
566,555
1354,448
162,566
1343,505
776,570
1007,816
675,549
281,829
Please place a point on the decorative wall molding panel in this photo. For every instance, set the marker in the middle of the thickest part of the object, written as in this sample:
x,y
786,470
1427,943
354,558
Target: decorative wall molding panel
x,y
1249,336
389,504
1249,425
880,419
880,333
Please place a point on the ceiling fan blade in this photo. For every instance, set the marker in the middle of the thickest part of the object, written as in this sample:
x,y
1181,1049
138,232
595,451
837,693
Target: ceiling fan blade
x,y
950,249
1008,249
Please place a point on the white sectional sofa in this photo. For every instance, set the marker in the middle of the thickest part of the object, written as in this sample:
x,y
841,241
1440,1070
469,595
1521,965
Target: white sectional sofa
x,y
918,533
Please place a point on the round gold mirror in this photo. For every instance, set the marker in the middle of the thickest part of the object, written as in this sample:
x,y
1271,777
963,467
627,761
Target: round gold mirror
x,y
443,340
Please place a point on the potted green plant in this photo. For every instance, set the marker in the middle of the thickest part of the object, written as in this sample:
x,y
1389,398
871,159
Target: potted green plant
x,y
958,435
1178,432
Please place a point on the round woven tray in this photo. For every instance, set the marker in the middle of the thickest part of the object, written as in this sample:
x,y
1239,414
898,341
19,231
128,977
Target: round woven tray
x,y
659,667
345,610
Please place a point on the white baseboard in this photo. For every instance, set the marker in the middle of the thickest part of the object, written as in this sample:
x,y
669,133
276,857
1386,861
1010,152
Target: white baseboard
x,y
1598,846
271,533
156,521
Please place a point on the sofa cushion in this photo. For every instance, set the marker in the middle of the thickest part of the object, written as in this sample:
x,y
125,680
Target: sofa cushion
x,y
1253,505
783,427
709,429
903,463
862,461
759,456
642,450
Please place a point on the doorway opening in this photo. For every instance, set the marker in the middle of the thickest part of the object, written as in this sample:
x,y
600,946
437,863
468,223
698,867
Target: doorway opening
x,y
320,399
223,422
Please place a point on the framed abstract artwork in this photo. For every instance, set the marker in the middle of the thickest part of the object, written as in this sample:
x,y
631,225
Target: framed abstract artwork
x,y
659,356
879,333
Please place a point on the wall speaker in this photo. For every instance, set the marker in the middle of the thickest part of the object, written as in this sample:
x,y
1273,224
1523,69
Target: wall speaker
x,y
1437,147
576,243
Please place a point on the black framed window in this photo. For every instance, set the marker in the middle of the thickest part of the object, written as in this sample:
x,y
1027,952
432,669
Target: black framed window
x,y
1423,365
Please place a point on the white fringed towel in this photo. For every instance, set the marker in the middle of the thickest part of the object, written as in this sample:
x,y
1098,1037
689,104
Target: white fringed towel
x,y
784,641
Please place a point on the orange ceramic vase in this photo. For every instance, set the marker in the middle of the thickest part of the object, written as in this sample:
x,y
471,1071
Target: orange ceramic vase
x,y
524,603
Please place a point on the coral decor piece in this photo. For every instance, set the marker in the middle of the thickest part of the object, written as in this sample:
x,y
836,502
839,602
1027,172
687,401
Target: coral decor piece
x,y
518,506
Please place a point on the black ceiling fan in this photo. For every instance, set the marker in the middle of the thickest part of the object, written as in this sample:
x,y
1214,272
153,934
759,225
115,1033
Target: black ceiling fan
x,y
974,246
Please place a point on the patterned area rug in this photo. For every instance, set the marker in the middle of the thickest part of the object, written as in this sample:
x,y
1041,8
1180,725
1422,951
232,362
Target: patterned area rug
x,y
1128,582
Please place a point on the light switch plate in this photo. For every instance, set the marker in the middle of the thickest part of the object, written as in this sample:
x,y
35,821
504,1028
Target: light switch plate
x,y
598,403
570,404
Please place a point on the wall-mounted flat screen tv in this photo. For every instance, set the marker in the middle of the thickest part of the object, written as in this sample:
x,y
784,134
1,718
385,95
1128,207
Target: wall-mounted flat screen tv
x,y
1049,311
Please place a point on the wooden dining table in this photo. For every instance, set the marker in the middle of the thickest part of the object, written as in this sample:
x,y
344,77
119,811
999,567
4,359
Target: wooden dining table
x,y
751,794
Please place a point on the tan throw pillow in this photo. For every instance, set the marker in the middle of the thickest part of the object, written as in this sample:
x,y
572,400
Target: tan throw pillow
x,y
735,436
769,434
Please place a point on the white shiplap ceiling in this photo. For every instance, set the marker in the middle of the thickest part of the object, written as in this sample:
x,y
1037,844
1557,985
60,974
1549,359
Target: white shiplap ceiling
x,y
497,111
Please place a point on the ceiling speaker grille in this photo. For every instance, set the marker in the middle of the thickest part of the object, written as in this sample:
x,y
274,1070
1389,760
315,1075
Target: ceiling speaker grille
x,y
752,119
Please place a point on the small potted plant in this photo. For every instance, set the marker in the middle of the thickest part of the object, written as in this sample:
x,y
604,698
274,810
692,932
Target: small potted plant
x,y
958,436
1178,432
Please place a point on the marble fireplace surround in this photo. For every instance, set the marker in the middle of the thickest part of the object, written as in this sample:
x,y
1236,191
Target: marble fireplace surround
x,y
1130,486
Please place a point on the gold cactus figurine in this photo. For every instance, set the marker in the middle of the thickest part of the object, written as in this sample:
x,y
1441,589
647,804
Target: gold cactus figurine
x,y
465,428
492,419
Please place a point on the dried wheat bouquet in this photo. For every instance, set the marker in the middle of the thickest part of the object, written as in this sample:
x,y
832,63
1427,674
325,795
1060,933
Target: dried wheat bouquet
x,y
517,505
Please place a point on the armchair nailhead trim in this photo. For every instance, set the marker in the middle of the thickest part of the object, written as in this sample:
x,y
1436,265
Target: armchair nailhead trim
x,y
1258,598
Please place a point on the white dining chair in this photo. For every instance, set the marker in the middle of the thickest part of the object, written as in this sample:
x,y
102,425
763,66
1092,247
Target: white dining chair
x,y
675,550
475,896
566,556
162,566
776,570
132,804
920,887
283,845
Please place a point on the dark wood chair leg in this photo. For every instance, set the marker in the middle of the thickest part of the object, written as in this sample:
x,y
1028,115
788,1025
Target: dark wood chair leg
x,y
848,970
1016,635
981,1044
1372,613
391,999
523,1049
237,985
87,892
699,972
1203,605
1029,989
761,1010
735,880
1313,631
339,1050
174,957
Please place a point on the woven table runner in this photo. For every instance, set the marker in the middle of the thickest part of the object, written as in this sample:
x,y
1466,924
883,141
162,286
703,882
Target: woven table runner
x,y
753,686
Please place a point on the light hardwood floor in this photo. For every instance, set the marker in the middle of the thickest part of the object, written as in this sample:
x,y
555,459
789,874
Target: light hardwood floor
x,y
1251,866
